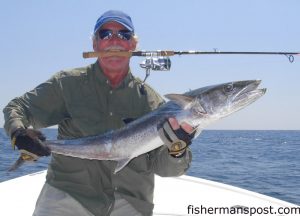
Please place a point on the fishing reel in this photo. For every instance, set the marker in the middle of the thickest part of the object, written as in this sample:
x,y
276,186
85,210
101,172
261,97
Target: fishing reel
x,y
160,63
156,63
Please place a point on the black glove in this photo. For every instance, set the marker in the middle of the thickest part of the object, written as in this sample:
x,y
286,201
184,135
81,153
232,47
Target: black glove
x,y
30,140
176,140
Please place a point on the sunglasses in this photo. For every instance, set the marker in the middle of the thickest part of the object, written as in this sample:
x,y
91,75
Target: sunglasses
x,y
106,34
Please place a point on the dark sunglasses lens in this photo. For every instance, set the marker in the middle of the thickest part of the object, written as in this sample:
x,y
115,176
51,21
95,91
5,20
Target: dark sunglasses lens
x,y
125,35
105,34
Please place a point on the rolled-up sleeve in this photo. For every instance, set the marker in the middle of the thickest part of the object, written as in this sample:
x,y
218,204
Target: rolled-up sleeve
x,y
166,165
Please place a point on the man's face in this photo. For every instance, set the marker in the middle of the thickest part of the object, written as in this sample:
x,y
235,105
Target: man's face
x,y
114,43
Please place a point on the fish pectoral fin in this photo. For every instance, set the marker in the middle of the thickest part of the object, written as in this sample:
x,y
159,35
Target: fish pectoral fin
x,y
121,164
181,100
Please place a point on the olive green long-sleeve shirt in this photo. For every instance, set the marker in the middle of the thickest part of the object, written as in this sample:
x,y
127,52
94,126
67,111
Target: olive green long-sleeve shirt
x,y
82,103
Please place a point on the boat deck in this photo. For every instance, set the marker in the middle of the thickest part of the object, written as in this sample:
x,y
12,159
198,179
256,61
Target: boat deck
x,y
183,195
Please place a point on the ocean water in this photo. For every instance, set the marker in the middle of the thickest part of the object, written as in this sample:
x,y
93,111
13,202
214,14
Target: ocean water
x,y
267,162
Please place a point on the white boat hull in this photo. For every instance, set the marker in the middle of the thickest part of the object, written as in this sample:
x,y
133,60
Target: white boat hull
x,y
183,195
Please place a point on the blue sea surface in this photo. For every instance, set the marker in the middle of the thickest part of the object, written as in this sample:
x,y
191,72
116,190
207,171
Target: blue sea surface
x,y
267,162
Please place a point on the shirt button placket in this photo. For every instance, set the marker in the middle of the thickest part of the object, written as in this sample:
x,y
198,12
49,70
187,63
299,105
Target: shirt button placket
x,y
111,92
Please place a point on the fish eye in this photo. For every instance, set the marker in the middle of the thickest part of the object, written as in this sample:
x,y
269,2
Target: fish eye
x,y
228,88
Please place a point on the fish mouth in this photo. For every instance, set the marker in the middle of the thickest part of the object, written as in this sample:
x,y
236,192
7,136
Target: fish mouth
x,y
250,92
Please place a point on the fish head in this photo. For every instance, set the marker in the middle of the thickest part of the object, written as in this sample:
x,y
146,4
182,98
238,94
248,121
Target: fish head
x,y
208,104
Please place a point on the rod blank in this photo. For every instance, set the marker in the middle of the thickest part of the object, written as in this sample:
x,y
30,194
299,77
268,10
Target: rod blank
x,y
290,55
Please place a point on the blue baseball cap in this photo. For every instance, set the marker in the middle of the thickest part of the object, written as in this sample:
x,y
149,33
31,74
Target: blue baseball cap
x,y
117,16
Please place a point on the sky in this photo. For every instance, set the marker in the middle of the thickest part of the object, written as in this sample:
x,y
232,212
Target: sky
x,y
40,38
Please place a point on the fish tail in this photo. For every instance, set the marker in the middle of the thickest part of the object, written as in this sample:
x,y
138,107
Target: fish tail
x,y
24,156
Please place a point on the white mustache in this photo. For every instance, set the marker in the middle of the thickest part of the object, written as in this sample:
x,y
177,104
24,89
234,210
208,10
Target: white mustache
x,y
115,47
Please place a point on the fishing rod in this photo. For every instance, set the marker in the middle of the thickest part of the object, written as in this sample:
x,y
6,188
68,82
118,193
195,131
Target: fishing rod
x,y
159,60
290,55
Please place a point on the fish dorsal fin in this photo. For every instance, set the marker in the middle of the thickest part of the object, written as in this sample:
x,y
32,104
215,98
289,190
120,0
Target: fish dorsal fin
x,y
180,99
121,164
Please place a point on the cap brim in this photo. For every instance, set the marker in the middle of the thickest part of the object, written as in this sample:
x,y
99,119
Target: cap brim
x,y
114,19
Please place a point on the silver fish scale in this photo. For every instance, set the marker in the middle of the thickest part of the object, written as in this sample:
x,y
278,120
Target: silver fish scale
x,y
134,139
199,108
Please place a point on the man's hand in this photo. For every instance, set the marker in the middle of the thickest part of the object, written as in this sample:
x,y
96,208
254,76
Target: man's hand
x,y
30,141
176,137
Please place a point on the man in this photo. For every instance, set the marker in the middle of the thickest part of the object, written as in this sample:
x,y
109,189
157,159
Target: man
x,y
88,101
